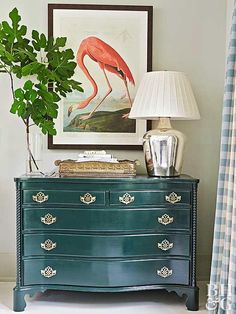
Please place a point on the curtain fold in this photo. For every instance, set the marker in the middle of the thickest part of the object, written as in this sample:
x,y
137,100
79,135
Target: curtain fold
x,y
222,288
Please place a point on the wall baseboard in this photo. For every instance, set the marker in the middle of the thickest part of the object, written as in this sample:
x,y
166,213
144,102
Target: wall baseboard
x,y
8,267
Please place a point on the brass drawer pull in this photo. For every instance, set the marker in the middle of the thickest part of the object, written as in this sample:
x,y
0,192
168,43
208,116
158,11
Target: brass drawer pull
x,y
40,197
126,199
165,245
173,198
164,272
165,219
48,245
87,198
48,219
48,272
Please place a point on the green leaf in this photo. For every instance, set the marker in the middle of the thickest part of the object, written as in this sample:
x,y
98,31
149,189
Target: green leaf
x,y
28,85
28,94
21,110
16,69
36,45
32,68
52,113
26,70
19,94
49,46
47,96
7,28
33,95
41,107
25,52
43,41
19,107
76,85
60,91
68,54
8,34
56,98
23,30
9,56
15,106
35,35
36,41
15,17
41,87
47,126
60,42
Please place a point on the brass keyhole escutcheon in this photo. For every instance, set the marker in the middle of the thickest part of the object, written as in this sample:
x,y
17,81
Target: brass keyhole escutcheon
x,y
40,197
165,245
165,220
87,198
173,198
164,272
48,219
126,199
48,245
48,272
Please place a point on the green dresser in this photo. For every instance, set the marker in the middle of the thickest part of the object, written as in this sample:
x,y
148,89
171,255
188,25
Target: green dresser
x,y
106,235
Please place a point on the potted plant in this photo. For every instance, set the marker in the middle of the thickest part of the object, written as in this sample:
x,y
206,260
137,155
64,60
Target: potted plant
x,y
45,67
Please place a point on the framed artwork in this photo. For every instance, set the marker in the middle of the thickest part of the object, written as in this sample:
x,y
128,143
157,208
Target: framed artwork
x,y
113,50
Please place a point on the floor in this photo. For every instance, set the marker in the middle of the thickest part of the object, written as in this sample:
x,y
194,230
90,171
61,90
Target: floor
x,y
61,302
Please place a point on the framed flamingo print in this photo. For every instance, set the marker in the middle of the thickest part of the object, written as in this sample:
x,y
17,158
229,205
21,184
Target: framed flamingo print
x,y
113,50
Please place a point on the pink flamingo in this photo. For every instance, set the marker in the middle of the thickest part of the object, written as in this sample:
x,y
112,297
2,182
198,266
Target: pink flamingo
x,y
108,59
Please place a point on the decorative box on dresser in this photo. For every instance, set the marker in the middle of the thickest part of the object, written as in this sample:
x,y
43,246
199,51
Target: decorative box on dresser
x,y
106,235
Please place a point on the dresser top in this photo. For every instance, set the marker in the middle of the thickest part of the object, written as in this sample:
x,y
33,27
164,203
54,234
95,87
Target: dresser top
x,y
137,179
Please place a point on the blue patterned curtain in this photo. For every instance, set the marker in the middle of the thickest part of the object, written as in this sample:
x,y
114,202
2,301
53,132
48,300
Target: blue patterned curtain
x,y
222,288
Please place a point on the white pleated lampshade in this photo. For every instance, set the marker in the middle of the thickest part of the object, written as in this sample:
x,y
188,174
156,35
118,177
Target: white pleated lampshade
x,y
164,94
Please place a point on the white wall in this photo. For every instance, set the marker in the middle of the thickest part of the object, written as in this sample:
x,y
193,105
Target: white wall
x,y
189,36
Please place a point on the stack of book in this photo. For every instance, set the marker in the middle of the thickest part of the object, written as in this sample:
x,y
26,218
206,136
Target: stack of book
x,y
96,164
96,155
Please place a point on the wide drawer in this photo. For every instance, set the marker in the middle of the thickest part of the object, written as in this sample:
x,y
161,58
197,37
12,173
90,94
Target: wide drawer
x,y
105,273
49,197
106,246
147,197
105,220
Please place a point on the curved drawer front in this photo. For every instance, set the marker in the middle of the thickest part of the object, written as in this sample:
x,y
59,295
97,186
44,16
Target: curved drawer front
x,y
48,197
105,220
106,246
105,273
137,198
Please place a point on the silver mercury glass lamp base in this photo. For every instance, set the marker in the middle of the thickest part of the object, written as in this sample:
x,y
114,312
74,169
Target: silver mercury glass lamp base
x,y
163,149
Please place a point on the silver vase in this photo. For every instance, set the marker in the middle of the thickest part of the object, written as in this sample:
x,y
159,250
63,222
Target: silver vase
x,y
163,149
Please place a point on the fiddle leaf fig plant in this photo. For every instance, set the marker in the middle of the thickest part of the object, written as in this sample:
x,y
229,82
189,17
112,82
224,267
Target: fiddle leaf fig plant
x,y
46,68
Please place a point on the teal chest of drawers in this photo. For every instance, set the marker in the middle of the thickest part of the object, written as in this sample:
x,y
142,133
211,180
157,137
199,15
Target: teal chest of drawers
x,y
106,235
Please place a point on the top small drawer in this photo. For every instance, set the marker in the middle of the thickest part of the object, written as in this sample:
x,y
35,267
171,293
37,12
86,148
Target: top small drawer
x,y
135,198
34,197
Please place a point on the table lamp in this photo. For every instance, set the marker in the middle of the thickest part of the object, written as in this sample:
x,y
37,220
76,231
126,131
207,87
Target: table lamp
x,y
164,95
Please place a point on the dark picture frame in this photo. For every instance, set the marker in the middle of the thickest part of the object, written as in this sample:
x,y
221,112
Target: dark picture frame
x,y
117,26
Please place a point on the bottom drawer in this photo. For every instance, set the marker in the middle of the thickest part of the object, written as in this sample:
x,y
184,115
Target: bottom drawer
x,y
105,273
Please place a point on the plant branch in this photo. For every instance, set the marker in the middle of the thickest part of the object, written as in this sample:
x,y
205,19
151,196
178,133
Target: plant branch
x,y
6,70
25,123
12,85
